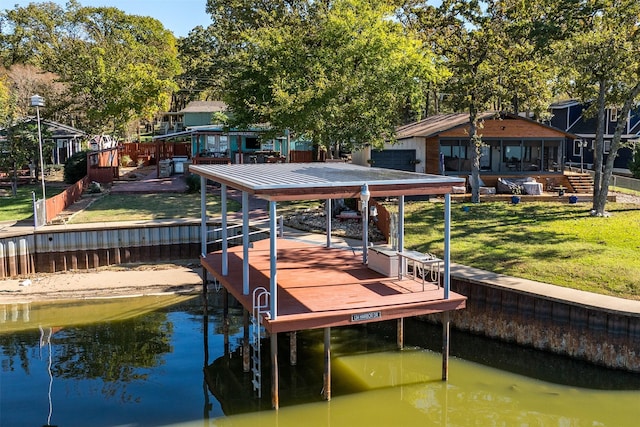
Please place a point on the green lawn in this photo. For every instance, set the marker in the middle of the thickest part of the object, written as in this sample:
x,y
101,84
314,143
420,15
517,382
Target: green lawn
x,y
550,242
137,207
21,207
557,243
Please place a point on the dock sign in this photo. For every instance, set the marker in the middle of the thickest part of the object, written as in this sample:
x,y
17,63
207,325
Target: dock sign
x,y
366,316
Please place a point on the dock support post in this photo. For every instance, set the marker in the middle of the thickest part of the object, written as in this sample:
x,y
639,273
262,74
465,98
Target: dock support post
x,y
445,345
225,317
328,221
203,217
225,231
245,243
293,348
246,351
327,365
400,330
273,260
275,398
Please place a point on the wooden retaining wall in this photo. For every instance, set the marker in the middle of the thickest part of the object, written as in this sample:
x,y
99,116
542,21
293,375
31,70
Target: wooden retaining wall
x,y
62,248
600,335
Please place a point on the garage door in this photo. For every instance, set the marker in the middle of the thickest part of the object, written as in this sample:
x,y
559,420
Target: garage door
x,y
403,160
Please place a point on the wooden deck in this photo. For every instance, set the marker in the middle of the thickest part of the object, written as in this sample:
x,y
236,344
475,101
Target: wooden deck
x,y
320,287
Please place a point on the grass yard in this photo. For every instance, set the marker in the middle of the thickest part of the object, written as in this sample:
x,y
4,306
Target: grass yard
x,y
21,207
549,242
139,207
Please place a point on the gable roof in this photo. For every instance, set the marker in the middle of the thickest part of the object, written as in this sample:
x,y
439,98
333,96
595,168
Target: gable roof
x,y
204,107
433,125
439,123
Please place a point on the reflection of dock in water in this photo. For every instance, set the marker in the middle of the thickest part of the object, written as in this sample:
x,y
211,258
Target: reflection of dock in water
x,y
359,354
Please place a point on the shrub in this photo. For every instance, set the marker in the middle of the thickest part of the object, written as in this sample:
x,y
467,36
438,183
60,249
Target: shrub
x,y
126,161
634,164
193,183
75,168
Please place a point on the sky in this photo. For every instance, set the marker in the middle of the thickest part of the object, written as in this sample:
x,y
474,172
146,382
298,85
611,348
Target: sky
x,y
178,16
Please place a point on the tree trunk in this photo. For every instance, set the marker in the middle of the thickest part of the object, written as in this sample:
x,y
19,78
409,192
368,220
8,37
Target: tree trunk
x,y
475,143
600,202
14,181
598,148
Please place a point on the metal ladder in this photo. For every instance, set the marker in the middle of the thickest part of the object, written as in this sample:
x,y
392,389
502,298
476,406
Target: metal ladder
x,y
260,307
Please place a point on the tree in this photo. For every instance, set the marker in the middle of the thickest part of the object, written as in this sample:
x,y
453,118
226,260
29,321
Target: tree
x,y
116,68
122,70
602,55
337,72
201,62
465,35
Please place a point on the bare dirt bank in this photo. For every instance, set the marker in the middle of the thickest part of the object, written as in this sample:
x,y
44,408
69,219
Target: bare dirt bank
x,y
115,281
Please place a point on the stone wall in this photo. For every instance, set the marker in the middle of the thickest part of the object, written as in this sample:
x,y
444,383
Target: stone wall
x,y
603,335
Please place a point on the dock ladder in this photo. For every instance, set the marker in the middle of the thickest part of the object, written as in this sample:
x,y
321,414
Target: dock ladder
x,y
260,307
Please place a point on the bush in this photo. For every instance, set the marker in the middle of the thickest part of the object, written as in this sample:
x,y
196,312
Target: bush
x,y
193,183
75,168
634,164
126,161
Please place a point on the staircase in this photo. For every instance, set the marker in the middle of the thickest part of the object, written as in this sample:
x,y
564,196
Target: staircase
x,y
581,182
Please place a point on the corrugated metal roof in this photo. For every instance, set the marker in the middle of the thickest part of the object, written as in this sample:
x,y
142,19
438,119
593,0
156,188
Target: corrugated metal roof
x,y
436,124
300,181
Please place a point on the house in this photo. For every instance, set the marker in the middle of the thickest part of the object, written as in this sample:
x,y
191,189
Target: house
x,y
570,116
439,144
213,142
66,139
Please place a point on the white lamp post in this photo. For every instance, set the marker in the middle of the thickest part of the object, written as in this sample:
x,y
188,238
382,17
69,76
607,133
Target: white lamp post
x,y
38,101
365,195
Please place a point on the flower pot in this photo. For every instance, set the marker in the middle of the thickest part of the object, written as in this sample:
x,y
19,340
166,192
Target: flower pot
x,y
515,199
573,199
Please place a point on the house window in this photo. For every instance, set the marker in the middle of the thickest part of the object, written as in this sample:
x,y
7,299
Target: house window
x,y
223,145
455,155
607,146
252,143
613,113
578,144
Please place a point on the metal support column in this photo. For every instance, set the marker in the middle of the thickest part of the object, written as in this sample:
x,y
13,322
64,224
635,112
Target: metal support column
x,y
203,216
447,244
401,260
225,232
328,221
245,243
273,260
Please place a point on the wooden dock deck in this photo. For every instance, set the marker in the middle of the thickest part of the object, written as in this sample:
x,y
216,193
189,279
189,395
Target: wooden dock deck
x,y
322,287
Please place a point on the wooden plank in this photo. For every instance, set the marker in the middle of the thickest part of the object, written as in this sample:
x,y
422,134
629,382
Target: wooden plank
x,y
322,287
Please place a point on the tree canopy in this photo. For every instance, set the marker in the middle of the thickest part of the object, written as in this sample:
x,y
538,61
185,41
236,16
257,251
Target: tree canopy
x,y
115,68
341,72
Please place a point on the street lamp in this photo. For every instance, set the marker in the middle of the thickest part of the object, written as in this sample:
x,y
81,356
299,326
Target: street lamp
x,y
38,101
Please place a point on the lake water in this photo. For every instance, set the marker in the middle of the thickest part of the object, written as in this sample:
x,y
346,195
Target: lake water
x,y
141,362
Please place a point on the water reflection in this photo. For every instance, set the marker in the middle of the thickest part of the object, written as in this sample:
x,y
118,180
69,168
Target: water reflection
x,y
140,362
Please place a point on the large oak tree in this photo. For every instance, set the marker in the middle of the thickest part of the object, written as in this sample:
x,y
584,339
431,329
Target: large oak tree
x,y
340,72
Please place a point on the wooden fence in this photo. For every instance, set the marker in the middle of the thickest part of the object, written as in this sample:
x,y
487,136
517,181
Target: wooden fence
x,y
145,152
69,196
